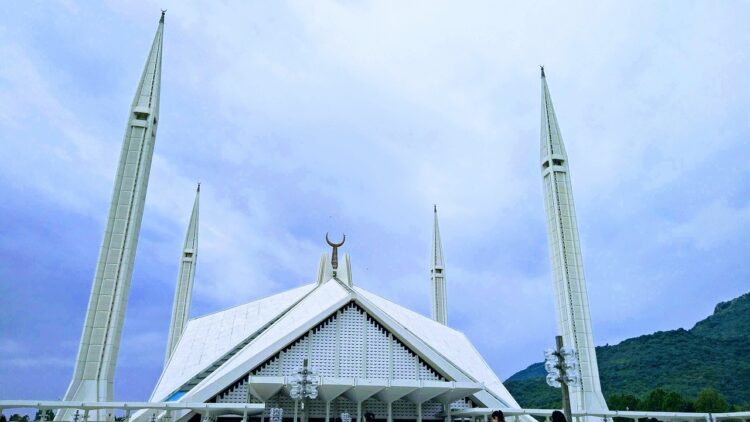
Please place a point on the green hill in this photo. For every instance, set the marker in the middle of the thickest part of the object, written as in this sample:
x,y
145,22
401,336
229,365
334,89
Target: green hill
x,y
715,353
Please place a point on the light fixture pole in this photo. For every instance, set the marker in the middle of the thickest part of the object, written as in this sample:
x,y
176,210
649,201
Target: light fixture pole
x,y
304,385
561,364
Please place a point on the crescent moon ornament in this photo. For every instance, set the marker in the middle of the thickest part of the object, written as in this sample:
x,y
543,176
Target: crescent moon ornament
x,y
335,252
335,245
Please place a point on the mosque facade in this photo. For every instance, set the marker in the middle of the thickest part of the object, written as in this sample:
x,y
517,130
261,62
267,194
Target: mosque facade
x,y
367,354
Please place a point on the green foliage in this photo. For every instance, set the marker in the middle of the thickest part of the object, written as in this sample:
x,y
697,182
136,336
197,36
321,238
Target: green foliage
x,y
731,320
48,415
665,370
709,400
623,402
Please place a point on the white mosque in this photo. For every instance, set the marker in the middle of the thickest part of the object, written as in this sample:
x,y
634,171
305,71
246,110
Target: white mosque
x,y
369,355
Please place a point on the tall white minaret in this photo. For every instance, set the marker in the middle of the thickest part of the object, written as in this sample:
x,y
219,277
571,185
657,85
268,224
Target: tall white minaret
x,y
571,299
100,342
184,291
437,275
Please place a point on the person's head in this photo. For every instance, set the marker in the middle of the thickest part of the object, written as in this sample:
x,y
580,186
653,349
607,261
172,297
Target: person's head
x,y
369,417
497,416
558,416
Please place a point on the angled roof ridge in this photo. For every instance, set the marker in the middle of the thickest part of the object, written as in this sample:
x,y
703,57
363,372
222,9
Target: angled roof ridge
x,y
452,361
231,350
269,327
255,301
407,309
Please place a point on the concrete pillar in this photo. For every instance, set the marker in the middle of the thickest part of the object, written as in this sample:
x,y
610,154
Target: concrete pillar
x,y
447,411
86,415
390,410
419,412
295,410
359,411
328,411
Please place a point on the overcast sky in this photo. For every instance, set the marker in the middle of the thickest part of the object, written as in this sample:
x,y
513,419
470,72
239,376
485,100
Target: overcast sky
x,y
306,117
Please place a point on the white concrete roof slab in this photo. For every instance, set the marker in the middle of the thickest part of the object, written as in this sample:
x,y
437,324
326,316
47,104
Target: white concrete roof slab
x,y
208,338
321,302
303,309
451,344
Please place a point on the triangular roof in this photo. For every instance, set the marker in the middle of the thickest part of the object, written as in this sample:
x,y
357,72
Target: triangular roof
x,y
451,344
225,346
209,338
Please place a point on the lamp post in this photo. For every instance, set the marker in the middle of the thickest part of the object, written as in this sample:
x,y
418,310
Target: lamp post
x,y
304,385
561,364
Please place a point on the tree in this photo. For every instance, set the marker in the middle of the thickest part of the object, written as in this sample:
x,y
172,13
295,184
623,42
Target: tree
x,y
710,400
49,415
623,402
674,402
654,401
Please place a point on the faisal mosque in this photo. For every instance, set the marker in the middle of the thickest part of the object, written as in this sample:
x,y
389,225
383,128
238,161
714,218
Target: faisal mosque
x,y
326,350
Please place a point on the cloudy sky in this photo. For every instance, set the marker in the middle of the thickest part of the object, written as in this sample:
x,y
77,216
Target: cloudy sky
x,y
306,117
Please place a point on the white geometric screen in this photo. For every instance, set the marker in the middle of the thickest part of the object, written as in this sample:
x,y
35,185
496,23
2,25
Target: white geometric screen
x,y
350,343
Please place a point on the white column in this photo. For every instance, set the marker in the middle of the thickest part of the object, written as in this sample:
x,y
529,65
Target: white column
x,y
571,297
93,376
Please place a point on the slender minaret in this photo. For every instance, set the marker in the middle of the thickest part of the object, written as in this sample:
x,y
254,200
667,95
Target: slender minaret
x,y
100,342
184,291
437,275
571,299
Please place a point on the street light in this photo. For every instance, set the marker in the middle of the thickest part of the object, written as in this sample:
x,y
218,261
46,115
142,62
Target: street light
x,y
304,385
561,365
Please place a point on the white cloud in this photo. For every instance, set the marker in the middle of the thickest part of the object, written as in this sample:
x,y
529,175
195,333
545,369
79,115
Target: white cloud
x,y
303,118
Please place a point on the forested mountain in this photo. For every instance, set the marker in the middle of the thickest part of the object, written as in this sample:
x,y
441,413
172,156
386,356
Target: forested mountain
x,y
714,354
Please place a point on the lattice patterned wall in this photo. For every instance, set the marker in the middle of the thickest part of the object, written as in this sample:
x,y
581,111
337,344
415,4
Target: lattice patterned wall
x,y
349,343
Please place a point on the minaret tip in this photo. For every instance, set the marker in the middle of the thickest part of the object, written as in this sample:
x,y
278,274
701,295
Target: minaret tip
x,y
198,189
163,12
542,68
434,208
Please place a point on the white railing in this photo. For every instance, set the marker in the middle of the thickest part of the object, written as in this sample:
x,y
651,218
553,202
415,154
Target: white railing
x,y
735,416
514,415
475,414
128,408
